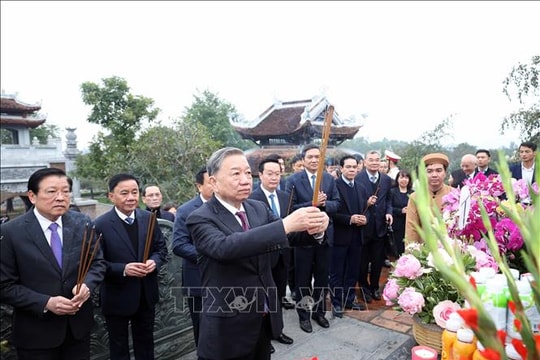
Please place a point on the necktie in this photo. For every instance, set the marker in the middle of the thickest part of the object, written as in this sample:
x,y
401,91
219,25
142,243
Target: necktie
x,y
273,204
243,218
130,220
56,243
351,184
373,179
313,181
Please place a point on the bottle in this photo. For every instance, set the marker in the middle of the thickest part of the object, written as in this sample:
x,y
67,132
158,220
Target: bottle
x,y
477,353
495,301
480,279
465,345
449,335
529,308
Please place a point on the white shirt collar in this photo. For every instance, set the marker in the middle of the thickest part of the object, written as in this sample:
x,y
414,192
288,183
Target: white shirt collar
x,y
45,223
124,216
228,206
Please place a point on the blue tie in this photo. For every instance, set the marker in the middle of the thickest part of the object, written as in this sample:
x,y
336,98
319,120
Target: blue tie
x,y
56,243
373,179
313,181
351,184
273,204
130,220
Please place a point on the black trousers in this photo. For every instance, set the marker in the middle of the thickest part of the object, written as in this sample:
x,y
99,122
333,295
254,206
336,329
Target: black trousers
x,y
71,349
262,348
311,263
142,332
372,252
195,309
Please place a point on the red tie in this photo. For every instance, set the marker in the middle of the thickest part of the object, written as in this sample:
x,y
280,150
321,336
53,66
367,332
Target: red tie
x,y
243,219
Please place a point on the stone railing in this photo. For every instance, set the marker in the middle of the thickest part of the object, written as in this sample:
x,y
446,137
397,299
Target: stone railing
x,y
173,334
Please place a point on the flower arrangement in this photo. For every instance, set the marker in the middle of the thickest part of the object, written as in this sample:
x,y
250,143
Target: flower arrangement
x,y
464,219
416,286
455,272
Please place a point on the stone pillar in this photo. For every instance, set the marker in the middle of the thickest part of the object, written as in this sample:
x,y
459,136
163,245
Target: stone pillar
x,y
70,154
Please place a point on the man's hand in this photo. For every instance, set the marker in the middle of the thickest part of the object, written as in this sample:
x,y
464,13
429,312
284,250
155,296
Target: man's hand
x,y
138,269
79,299
358,220
309,219
61,306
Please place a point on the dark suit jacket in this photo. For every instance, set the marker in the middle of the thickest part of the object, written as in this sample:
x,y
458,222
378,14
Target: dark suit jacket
x,y
515,170
377,213
299,186
235,265
459,177
183,246
283,199
489,171
344,233
120,295
30,275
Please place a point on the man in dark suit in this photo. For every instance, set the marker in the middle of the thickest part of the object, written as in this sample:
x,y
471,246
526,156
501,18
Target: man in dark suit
x,y
525,168
152,198
277,201
130,290
467,172
51,319
282,185
312,262
345,253
483,157
379,214
182,245
234,236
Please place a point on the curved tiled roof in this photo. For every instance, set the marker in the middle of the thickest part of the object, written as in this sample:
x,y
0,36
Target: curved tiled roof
x,y
20,121
10,105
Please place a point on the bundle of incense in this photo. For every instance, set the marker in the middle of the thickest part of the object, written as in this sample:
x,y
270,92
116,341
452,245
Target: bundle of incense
x,y
86,257
149,235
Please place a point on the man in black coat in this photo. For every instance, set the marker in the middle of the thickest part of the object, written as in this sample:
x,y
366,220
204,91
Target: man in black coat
x,y
379,213
345,252
234,237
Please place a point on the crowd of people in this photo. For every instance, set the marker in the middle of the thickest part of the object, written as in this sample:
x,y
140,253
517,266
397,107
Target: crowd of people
x,y
249,251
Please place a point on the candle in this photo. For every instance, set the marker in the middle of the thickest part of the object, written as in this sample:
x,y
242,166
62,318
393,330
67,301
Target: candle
x,y
423,353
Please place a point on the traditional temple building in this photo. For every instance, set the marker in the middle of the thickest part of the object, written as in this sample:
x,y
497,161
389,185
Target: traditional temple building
x,y
20,155
286,126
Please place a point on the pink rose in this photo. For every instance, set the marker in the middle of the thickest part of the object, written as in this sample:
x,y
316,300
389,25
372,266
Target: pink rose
x,y
390,292
442,311
411,301
408,266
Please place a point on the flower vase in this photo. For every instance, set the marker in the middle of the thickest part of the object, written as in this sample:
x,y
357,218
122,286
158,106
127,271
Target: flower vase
x,y
427,334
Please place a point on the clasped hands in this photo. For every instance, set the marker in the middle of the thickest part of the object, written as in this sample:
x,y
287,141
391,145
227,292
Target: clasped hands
x,y
310,219
63,306
138,269
358,220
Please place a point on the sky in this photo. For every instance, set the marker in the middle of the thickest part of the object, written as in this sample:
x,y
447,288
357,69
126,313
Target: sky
x,y
405,66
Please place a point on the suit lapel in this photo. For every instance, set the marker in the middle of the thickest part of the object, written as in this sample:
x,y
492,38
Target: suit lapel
x,y
225,216
342,187
118,227
35,233
69,241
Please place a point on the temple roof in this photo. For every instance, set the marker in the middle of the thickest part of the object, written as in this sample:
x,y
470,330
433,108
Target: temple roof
x,y
297,122
13,112
9,104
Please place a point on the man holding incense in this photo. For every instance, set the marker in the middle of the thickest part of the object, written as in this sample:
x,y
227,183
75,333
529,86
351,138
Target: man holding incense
x,y
44,277
134,249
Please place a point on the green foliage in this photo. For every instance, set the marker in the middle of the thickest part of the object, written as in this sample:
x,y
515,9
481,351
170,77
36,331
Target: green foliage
x,y
43,132
169,157
522,84
215,114
121,115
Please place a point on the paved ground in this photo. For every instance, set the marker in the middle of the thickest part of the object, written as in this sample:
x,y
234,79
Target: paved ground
x,y
378,333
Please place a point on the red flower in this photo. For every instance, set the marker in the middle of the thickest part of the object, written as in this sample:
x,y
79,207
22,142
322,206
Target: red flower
x,y
501,334
473,282
520,348
490,354
512,306
470,316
